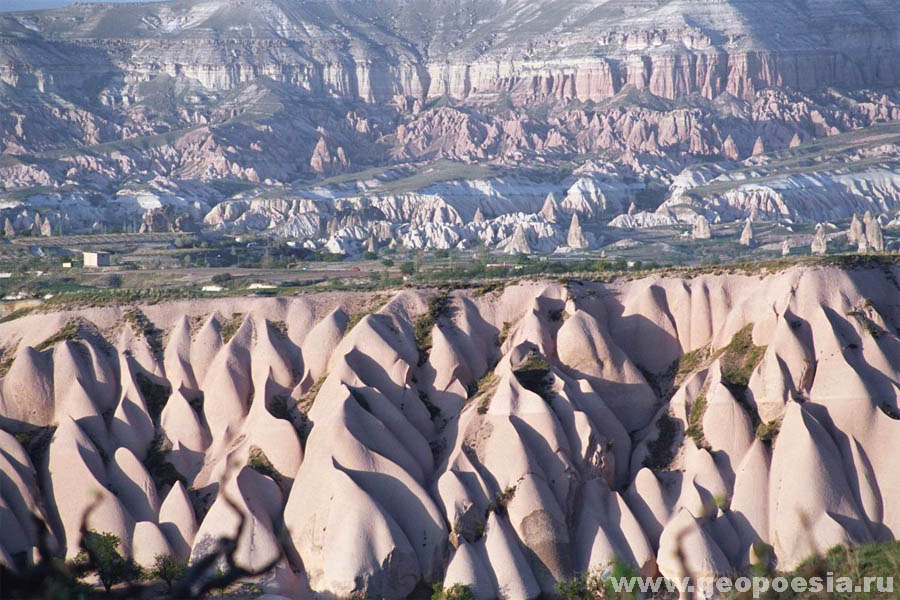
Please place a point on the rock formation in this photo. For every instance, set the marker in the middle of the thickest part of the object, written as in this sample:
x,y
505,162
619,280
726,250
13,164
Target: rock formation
x,y
576,238
856,233
563,459
519,243
258,107
701,229
874,235
759,147
819,244
550,208
747,235
729,149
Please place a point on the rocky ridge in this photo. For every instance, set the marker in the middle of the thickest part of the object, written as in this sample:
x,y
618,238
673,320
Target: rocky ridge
x,y
636,420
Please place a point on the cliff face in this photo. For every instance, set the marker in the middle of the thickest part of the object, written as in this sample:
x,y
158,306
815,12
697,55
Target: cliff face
x,y
375,51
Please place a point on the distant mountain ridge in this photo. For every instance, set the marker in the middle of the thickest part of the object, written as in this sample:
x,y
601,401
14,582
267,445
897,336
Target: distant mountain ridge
x,y
315,119
572,50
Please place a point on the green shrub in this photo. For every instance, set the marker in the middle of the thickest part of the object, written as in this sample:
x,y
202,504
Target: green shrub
x,y
767,432
457,591
259,462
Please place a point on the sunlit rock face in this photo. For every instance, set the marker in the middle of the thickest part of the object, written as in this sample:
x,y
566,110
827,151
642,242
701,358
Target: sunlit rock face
x,y
544,430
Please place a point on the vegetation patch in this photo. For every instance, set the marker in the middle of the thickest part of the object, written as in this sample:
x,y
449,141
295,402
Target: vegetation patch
x,y
597,584
7,357
167,568
695,421
768,431
457,591
845,567
504,333
865,323
493,288
660,451
142,327
35,442
280,327
423,325
231,326
690,361
312,392
354,319
739,358
70,331
100,553
501,501
259,462
534,375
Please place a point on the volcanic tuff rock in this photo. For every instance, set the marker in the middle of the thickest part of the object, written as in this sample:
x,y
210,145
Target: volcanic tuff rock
x,y
701,230
109,111
747,234
505,466
576,238
819,244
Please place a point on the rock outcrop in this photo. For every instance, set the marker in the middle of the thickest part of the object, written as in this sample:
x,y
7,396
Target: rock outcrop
x,y
747,238
856,234
701,229
874,235
503,464
819,244
576,238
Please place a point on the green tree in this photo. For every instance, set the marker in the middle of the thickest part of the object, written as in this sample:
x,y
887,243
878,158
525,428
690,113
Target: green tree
x,y
168,568
101,552
407,268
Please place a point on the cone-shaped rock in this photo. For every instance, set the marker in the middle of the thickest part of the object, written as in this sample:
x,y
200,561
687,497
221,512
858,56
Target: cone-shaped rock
x,y
550,208
519,243
747,235
856,231
729,149
759,147
701,229
819,243
576,238
874,236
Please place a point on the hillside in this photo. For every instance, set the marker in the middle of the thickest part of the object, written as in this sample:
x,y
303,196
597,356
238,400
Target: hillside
x,y
504,439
